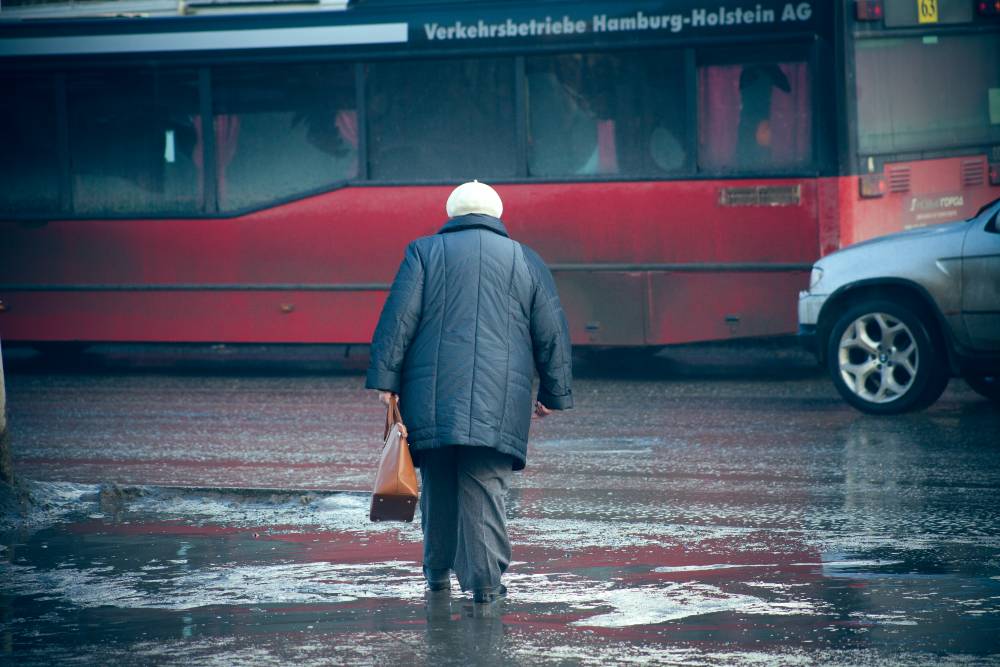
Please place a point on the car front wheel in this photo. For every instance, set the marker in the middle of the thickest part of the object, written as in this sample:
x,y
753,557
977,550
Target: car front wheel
x,y
883,359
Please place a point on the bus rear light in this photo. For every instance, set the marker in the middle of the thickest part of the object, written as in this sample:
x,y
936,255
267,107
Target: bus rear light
x,y
868,10
872,185
995,173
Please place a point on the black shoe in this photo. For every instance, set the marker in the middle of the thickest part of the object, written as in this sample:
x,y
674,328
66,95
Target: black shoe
x,y
489,595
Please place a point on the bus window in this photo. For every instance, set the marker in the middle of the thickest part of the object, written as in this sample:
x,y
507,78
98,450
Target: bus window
x,y
754,116
131,139
916,93
606,114
441,120
29,166
282,130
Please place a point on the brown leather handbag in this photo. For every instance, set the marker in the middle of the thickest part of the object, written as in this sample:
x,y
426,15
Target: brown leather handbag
x,y
395,495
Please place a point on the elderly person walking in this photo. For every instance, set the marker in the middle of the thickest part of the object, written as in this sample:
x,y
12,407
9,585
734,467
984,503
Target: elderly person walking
x,y
470,316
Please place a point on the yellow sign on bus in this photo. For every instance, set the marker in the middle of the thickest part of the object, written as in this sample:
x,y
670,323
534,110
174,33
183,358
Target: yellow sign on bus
x,y
927,11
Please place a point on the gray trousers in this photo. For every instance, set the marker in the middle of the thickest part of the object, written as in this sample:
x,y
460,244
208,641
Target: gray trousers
x,y
463,516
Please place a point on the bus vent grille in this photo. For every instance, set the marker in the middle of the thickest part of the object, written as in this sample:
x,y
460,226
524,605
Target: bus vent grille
x,y
761,195
899,179
738,197
973,172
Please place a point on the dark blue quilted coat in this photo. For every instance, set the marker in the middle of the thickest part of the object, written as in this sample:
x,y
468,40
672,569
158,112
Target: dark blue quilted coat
x,y
470,317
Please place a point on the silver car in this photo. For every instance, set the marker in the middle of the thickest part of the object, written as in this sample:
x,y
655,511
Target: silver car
x,y
895,317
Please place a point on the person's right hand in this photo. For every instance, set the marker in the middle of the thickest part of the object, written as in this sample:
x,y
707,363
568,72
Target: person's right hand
x,y
384,396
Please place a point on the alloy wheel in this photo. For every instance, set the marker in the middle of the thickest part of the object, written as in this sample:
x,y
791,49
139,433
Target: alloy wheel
x,y
878,357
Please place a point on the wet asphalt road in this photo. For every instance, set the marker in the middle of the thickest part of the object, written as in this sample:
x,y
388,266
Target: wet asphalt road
x,y
666,520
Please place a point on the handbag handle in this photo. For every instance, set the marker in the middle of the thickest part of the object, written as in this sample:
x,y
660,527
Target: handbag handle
x,y
392,415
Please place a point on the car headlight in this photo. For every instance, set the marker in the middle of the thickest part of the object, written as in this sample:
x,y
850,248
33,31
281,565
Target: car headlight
x,y
815,277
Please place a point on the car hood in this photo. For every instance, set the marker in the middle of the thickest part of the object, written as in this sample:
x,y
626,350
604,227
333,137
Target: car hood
x,y
945,239
913,234
916,255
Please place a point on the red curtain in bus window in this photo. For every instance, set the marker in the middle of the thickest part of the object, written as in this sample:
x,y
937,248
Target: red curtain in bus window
x,y
198,158
719,115
754,116
607,150
791,118
347,124
227,132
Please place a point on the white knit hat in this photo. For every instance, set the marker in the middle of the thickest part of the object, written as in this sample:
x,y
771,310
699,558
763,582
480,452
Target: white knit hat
x,y
474,197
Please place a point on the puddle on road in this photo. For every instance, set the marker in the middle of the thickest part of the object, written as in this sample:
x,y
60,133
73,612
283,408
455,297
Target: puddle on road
x,y
231,573
718,566
178,587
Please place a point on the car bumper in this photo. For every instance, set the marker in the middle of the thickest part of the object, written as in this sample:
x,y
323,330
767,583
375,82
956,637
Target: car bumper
x,y
809,308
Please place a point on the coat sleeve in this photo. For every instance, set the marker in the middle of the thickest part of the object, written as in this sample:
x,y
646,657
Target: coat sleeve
x,y
549,338
397,325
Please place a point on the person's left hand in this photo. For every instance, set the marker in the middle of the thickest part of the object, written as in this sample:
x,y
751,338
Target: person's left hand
x,y
541,411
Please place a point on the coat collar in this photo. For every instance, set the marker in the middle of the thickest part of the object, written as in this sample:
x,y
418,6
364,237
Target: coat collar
x,y
473,220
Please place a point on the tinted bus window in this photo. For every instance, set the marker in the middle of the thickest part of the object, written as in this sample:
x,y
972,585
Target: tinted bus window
x,y
754,116
282,130
441,120
606,114
29,161
132,136
917,93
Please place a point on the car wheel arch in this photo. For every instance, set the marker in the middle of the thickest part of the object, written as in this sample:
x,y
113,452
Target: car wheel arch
x,y
900,290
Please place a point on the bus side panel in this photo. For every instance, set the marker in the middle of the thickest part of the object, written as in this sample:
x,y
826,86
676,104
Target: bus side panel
x,y
689,307
685,223
311,270
354,235
193,316
661,222
604,308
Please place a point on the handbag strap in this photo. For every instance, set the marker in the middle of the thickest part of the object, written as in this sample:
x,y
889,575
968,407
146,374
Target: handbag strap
x,y
392,415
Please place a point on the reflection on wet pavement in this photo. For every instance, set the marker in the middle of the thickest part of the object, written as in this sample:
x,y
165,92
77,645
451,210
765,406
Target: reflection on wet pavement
x,y
734,522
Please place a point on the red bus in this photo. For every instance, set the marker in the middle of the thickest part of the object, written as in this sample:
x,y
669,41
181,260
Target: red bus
x,y
235,176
